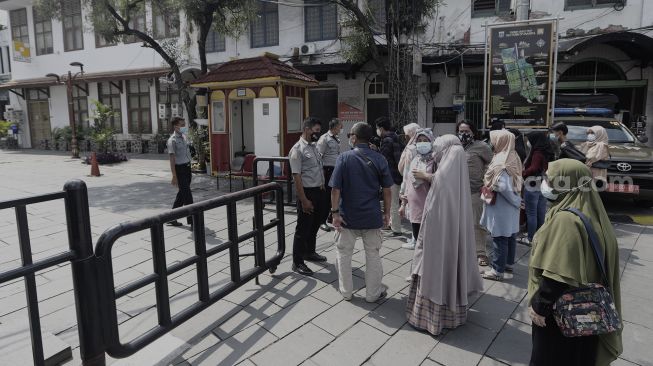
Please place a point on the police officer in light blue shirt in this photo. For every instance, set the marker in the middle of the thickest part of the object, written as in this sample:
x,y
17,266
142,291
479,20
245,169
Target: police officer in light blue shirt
x,y
180,166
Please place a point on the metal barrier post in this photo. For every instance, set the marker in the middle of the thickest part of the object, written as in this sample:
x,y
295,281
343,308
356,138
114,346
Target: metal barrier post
x,y
85,282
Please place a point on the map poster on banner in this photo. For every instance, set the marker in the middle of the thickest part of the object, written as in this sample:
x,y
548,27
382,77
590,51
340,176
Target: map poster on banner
x,y
520,74
21,52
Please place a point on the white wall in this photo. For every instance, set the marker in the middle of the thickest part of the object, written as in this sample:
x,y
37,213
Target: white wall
x,y
454,18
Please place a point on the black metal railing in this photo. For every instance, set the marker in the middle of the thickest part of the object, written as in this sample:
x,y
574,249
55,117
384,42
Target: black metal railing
x,y
167,322
94,288
80,254
284,175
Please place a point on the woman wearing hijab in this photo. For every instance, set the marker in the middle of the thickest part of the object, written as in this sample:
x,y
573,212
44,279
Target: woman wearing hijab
x,y
595,150
409,151
501,217
561,259
444,265
534,168
417,182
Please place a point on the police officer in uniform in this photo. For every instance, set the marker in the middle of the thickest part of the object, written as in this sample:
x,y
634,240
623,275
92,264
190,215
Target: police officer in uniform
x,y
308,174
180,166
329,148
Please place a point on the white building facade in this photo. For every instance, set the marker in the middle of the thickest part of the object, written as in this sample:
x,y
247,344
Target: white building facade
x,y
131,78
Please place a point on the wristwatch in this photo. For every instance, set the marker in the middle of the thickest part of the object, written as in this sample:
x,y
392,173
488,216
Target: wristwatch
x,y
333,211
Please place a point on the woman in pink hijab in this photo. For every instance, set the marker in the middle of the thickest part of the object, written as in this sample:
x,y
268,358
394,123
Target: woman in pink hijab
x,y
445,272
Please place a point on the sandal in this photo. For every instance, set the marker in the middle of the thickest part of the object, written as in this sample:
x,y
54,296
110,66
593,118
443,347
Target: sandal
x,y
483,260
492,275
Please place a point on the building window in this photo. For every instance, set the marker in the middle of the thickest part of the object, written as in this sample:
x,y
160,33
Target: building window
x,y
587,4
73,32
265,26
487,8
100,41
37,94
377,88
294,114
377,9
109,94
215,41
138,106
164,24
19,30
43,34
168,94
136,22
80,105
321,20
217,117
474,100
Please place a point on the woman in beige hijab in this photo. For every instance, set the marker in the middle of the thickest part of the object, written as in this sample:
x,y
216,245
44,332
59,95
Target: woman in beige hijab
x,y
444,271
409,151
595,150
501,218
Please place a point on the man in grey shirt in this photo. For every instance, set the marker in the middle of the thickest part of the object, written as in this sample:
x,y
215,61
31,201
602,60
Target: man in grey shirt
x,y
329,148
479,156
306,167
180,166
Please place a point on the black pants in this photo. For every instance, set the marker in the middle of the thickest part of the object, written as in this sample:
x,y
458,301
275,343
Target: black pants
x,y
184,195
328,170
415,227
550,347
308,224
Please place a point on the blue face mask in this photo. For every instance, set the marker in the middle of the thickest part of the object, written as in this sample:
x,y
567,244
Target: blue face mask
x,y
183,130
423,147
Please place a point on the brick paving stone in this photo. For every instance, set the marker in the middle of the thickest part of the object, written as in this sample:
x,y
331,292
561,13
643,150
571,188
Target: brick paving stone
x,y
250,315
352,348
235,349
491,312
407,347
294,316
294,348
342,316
463,346
390,316
513,345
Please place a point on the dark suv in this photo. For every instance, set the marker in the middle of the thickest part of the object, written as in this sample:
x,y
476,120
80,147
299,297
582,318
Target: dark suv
x,y
629,157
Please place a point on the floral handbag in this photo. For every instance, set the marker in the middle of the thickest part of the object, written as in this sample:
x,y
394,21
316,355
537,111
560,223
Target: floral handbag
x,y
587,310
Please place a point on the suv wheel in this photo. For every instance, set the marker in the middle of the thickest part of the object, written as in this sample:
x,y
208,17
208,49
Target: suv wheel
x,y
644,203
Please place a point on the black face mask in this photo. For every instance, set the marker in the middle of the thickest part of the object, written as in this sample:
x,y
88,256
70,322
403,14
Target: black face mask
x,y
466,138
315,136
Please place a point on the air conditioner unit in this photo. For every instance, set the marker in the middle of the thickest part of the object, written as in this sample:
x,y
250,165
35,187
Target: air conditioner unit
x,y
307,49
176,110
163,110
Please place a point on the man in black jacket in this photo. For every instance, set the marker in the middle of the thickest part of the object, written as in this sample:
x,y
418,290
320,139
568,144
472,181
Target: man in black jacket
x,y
567,149
391,149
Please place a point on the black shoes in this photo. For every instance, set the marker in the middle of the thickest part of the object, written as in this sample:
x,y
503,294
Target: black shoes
x,y
315,258
302,269
175,223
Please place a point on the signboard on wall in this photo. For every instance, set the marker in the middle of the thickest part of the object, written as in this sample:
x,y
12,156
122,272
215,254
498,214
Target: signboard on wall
x,y
22,52
519,74
444,115
347,113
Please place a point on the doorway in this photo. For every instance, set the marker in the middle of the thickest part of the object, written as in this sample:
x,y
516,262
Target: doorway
x,y
39,121
242,127
323,104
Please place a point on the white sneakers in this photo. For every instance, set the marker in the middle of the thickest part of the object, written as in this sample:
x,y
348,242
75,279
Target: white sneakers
x,y
410,243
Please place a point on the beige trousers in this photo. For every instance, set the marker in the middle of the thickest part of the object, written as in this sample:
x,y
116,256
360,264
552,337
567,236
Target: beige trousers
x,y
372,241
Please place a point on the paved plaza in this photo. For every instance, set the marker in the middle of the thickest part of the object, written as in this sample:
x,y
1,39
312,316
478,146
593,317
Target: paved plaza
x,y
288,319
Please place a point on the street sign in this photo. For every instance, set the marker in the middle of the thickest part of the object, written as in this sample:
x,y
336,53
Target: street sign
x,y
444,115
519,74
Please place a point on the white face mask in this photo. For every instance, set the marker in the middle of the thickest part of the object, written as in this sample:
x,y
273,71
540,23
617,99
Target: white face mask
x,y
423,147
379,132
591,137
547,191
183,130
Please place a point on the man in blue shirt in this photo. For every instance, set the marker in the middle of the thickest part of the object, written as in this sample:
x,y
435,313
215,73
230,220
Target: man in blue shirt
x,y
355,182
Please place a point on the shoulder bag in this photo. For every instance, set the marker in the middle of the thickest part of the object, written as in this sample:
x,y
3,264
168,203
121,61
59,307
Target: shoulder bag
x,y
588,310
